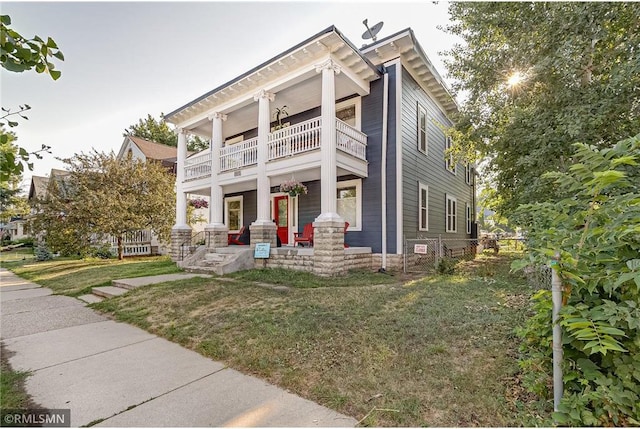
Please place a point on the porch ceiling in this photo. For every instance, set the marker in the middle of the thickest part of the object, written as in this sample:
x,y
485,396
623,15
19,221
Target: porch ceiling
x,y
299,97
291,76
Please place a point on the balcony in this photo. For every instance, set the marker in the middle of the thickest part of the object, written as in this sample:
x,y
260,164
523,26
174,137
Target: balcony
x,y
285,143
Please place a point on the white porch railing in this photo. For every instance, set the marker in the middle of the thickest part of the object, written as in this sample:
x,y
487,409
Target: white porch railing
x,y
289,141
298,138
350,140
197,166
239,155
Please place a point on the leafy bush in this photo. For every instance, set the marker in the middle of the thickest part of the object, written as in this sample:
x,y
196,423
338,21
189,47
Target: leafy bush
x,y
42,253
596,229
27,241
102,252
446,265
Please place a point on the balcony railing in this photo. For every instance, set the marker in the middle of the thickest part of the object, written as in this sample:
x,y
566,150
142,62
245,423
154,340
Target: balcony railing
x,y
298,138
350,140
289,141
239,155
197,166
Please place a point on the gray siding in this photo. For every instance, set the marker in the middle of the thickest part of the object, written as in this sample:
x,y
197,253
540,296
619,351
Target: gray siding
x,y
428,169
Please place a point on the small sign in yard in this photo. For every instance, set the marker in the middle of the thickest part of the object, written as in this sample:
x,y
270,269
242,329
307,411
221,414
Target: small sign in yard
x,y
420,249
262,250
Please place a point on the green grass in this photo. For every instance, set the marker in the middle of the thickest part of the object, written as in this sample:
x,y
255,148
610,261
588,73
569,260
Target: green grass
x,y
12,392
432,351
16,256
300,279
75,277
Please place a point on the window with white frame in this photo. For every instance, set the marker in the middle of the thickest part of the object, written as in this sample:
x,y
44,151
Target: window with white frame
x,y
422,130
423,207
450,164
349,203
468,217
233,213
468,172
452,210
349,111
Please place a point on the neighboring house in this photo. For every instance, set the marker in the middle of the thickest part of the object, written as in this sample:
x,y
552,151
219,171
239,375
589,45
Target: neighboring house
x,y
15,229
146,150
363,132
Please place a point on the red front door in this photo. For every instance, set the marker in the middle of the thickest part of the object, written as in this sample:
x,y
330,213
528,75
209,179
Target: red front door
x,y
281,216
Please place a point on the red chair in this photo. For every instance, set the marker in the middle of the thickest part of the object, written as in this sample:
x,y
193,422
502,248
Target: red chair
x,y
305,237
346,225
233,238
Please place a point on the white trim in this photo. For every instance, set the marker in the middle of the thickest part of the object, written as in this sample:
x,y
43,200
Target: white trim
x,y
357,101
358,185
454,215
467,213
399,151
467,173
227,200
419,110
449,161
423,187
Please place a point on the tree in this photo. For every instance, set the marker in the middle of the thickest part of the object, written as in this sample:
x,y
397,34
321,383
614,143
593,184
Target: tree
x,y
103,195
596,228
539,77
19,54
11,203
159,131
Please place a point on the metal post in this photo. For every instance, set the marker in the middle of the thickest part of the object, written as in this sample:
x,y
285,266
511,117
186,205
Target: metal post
x,y
556,298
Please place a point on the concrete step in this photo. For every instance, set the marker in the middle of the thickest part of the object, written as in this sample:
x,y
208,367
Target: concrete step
x,y
90,299
108,291
214,257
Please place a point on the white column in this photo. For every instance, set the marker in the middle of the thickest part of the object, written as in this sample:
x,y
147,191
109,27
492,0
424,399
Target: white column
x,y
181,196
216,203
329,169
264,123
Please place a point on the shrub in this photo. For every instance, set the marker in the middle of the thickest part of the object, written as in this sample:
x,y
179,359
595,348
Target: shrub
x,y
42,253
446,265
596,229
102,252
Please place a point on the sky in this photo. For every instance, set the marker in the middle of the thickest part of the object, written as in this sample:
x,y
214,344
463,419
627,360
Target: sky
x,y
124,60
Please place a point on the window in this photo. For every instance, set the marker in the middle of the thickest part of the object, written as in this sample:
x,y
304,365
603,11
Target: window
x,y
468,217
233,213
423,207
422,130
448,157
349,203
452,214
468,173
348,111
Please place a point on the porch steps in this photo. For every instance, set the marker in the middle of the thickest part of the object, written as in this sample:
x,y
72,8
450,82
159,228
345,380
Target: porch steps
x,y
223,261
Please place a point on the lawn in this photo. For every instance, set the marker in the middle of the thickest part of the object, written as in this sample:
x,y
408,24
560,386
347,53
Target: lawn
x,y
389,351
76,277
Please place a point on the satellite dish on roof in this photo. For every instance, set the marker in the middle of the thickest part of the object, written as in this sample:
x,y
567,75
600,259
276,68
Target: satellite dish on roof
x,y
373,31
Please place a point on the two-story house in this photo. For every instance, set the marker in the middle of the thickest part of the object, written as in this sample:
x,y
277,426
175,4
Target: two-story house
x,y
364,134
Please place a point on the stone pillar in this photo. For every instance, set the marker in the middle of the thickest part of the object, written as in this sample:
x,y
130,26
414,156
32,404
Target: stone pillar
x,y
216,230
179,236
328,248
181,231
328,149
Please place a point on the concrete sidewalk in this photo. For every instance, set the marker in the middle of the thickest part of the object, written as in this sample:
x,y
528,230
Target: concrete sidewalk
x,y
119,375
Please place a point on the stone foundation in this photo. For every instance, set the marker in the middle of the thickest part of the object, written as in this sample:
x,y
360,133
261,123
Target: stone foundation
x,y
299,259
179,236
217,237
263,233
394,262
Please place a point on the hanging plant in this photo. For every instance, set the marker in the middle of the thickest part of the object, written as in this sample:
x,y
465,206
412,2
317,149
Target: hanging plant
x,y
199,203
293,188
